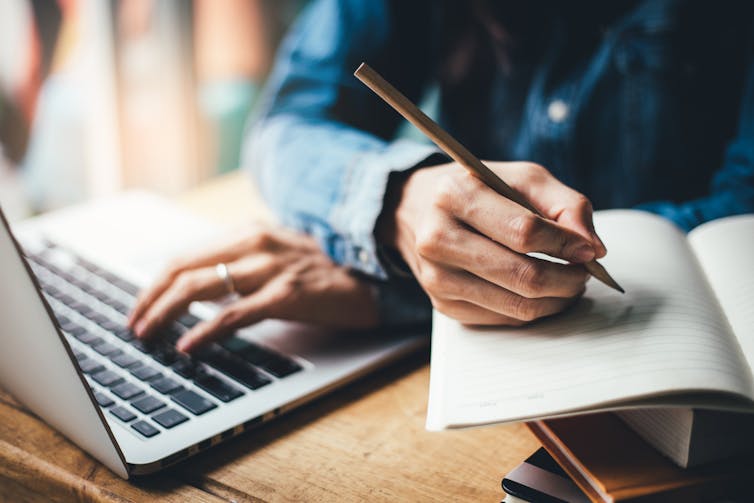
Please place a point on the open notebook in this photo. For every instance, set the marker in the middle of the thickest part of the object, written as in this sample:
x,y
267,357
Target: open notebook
x,y
682,335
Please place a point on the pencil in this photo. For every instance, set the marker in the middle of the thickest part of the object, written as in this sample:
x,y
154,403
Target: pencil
x,y
458,152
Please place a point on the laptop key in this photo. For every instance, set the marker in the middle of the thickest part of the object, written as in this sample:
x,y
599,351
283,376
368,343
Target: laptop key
x,y
127,390
83,310
218,388
120,283
257,355
165,355
145,373
110,326
124,334
103,400
123,414
75,330
143,346
91,366
188,320
80,357
107,378
193,402
186,367
281,367
98,318
235,368
169,418
89,338
107,349
166,385
125,360
145,429
148,404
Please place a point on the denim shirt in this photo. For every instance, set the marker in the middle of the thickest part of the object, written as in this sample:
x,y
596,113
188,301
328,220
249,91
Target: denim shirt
x,y
657,114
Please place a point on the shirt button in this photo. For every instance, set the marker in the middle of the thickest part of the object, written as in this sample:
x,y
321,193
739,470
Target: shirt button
x,y
557,111
363,256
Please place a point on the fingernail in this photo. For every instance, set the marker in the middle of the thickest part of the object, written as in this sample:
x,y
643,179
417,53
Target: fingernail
x,y
139,328
584,253
182,345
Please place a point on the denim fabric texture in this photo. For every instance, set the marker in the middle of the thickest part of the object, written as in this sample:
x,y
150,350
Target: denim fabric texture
x,y
654,109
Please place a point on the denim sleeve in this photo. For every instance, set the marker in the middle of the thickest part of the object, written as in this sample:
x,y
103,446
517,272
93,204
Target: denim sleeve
x,y
732,188
321,149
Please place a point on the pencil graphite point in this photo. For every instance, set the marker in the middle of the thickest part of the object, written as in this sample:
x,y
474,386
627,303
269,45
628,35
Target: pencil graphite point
x,y
598,271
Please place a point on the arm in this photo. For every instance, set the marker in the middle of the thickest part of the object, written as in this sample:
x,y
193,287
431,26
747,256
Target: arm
x,y
321,151
321,157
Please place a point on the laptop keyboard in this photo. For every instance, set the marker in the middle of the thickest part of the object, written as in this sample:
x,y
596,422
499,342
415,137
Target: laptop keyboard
x,y
147,385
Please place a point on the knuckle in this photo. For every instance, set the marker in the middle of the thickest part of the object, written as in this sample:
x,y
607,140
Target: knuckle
x,y
229,318
525,228
431,279
529,278
184,281
446,193
175,266
581,202
430,240
523,309
259,238
535,171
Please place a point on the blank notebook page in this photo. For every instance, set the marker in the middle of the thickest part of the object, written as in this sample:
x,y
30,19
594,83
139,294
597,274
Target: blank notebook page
x,y
666,333
726,251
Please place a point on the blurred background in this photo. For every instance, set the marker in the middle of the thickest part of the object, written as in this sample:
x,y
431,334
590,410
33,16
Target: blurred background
x,y
97,96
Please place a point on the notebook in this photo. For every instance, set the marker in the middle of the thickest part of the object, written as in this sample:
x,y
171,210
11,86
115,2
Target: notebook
x,y
682,335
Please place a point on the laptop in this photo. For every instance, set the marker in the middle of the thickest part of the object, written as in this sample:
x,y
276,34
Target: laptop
x,y
69,281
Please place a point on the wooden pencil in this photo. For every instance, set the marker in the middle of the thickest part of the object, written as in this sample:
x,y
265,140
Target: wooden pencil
x,y
458,152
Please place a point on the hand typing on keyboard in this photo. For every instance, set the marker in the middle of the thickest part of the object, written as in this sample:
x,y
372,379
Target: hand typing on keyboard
x,y
274,272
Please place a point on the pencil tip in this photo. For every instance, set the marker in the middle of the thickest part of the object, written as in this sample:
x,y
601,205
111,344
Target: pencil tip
x,y
598,271
609,281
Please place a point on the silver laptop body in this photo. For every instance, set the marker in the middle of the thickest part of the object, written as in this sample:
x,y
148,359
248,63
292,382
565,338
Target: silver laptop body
x,y
52,371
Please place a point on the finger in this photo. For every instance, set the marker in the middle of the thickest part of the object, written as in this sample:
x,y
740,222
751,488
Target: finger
x,y
258,239
450,284
527,276
253,271
148,296
199,284
242,313
513,225
204,284
553,199
471,314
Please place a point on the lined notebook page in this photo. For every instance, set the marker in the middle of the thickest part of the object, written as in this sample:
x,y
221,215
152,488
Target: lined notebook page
x,y
725,249
665,334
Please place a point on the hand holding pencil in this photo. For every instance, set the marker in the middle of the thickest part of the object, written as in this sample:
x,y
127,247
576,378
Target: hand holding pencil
x,y
467,245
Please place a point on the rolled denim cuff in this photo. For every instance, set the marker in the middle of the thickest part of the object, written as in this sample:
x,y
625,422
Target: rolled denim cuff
x,y
402,302
362,196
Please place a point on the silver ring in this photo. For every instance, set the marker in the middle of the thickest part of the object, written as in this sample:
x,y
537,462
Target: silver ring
x,y
224,274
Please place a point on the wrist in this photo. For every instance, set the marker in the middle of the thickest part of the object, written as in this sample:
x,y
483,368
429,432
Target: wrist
x,y
386,229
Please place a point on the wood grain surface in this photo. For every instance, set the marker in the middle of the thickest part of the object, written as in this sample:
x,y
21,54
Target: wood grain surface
x,y
365,441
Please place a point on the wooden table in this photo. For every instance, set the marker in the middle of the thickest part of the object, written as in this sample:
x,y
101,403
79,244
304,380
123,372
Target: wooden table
x,y
363,442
